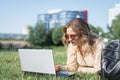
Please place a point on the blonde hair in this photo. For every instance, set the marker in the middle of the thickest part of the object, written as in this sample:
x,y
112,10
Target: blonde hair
x,y
82,29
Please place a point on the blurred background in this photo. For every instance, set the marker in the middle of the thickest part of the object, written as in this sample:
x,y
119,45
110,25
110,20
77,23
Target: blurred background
x,y
36,23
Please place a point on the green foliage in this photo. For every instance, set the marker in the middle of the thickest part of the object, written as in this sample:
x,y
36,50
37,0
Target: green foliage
x,y
48,38
57,36
93,29
98,30
0,46
10,47
109,33
39,36
31,35
114,29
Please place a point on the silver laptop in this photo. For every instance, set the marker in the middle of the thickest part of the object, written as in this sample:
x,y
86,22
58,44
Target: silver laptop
x,y
37,60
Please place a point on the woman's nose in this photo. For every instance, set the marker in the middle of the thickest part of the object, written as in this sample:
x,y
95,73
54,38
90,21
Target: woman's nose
x,y
70,39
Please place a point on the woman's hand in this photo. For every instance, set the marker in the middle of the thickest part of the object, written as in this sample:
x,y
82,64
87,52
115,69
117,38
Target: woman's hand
x,y
57,68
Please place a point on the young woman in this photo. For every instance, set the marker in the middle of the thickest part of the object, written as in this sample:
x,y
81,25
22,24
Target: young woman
x,y
83,47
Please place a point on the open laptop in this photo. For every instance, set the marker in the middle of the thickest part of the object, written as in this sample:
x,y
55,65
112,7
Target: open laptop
x,y
39,61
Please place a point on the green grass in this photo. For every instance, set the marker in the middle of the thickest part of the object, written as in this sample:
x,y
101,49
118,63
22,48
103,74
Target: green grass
x,y
10,68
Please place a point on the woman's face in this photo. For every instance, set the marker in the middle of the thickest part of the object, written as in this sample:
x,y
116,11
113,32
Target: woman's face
x,y
71,35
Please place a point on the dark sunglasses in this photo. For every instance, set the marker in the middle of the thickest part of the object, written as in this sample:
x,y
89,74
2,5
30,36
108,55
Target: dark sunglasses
x,y
72,36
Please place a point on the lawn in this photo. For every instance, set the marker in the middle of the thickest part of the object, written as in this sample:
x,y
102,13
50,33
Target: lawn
x,y
10,68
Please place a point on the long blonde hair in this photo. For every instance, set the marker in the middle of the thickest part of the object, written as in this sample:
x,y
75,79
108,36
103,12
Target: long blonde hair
x,y
81,28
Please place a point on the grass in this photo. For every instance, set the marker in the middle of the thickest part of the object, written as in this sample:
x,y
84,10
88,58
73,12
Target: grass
x,y
10,68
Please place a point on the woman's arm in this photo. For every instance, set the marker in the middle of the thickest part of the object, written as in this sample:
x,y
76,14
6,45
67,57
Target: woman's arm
x,y
71,59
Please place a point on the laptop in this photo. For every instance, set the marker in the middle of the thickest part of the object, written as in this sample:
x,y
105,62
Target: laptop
x,y
39,61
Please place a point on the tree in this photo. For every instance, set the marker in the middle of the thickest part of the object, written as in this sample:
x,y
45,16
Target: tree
x,y
30,35
116,27
57,36
101,32
37,34
114,30
48,37
95,30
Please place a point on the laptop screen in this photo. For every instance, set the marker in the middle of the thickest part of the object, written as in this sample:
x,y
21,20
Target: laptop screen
x,y
37,60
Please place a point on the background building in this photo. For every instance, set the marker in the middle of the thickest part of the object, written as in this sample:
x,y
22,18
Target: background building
x,y
26,30
60,18
113,12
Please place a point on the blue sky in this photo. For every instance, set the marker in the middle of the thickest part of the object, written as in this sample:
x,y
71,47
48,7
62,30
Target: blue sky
x,y
15,14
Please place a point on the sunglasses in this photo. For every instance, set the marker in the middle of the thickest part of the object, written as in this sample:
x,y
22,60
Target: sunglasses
x,y
72,36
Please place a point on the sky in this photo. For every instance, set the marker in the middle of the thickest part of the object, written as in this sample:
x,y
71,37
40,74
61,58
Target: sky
x,y
16,14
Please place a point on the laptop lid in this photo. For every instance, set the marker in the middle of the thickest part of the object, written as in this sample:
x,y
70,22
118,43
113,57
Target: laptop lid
x,y
37,60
